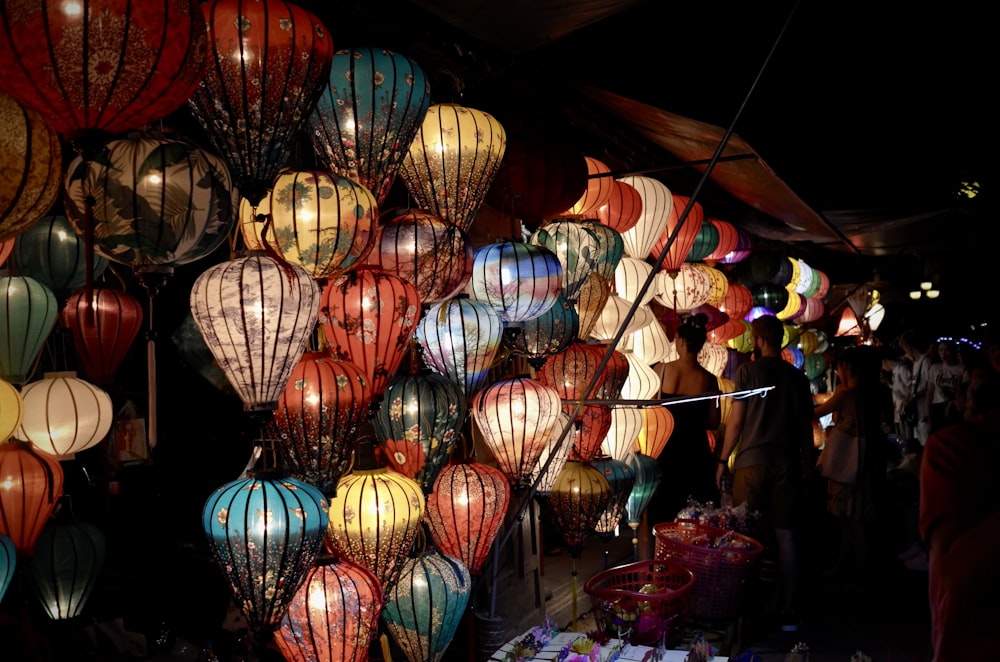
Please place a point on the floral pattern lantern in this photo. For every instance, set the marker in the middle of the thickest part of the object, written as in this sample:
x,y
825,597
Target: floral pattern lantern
x,y
368,114
65,567
333,617
452,161
28,312
595,422
519,281
368,317
460,338
51,252
621,478
657,426
598,191
268,61
577,248
718,282
64,415
683,289
428,252
571,371
32,483
622,210
32,158
548,334
713,357
103,325
590,302
579,496
657,206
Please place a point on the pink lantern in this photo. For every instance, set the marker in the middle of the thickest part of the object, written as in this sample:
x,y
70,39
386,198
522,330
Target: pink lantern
x,y
428,252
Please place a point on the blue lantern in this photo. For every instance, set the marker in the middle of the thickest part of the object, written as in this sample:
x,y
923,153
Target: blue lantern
x,y
520,281
648,475
621,479
610,249
460,338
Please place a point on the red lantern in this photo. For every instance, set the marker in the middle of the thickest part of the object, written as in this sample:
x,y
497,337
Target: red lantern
x,y
617,371
595,422
729,237
103,327
539,177
31,484
737,301
685,236
570,371
622,210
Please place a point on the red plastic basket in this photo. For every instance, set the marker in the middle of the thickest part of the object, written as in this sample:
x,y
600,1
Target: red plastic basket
x,y
649,598
720,572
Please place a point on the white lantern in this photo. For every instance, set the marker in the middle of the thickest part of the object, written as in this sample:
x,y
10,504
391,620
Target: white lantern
x,y
651,345
630,275
64,415
657,205
684,290
642,382
626,423
615,315
713,357
543,486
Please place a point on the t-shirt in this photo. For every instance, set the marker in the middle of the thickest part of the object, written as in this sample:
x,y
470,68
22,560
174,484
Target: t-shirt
x,y
945,379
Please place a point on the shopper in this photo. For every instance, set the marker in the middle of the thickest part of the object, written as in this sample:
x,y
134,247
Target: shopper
x,y
943,380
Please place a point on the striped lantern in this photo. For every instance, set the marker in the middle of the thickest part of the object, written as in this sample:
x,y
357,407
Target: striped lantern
x,y
685,232
460,339
103,325
31,179
65,567
64,415
657,206
53,254
430,253
28,311
657,426
579,496
598,192
577,248
621,479
33,482
630,276
704,243
570,371
728,239
519,281
619,442
622,210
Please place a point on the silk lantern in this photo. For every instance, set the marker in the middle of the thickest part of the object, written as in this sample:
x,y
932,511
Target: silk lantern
x,y
576,247
333,616
616,371
11,410
452,161
8,564
374,520
51,252
256,315
554,455
64,415
103,323
579,496
428,252
459,339
32,482
255,228
519,281
651,345
737,301
591,299
622,210
744,246
466,510
657,205
718,284
621,479
267,64
317,418
770,296
423,610
728,239
264,533
595,421
572,370
65,567
630,276
616,318
683,289
548,334
368,114
610,248
28,312
619,442
322,222
648,475
32,157
598,190
657,426
643,383
713,357
684,233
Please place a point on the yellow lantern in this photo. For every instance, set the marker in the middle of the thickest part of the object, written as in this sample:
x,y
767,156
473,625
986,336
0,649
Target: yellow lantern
x,y
31,176
64,415
725,404
718,283
252,223
11,410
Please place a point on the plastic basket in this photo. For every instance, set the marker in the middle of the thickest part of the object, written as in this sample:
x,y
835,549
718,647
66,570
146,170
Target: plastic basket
x,y
649,598
720,572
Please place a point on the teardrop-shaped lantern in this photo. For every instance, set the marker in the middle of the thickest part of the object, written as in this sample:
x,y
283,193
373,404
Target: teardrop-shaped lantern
x,y
621,478
256,315
11,410
417,424
657,207
368,114
623,209
317,418
610,249
630,275
368,317
615,317
452,161
658,425
460,338
64,415
519,281
579,496
515,417
728,239
595,421
648,475
616,372
8,564
333,617
32,158
374,519
570,371
548,334
651,345
591,299
713,357
32,483
554,455
430,253
51,252
686,233
575,246
598,191
643,383
704,243
683,289
153,203
28,312
619,442
103,325
264,533
423,610
466,510
322,222
268,61
65,567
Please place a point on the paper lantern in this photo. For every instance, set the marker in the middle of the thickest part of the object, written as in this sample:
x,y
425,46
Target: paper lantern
x,y
815,310
368,114
8,564
794,304
32,158
423,610
723,334
657,205
11,410
714,318
264,533
374,519
317,418
368,317
598,190
428,252
737,301
571,371
805,280
466,510
417,424
683,289
333,617
647,478
50,252
743,342
554,455
657,426
794,356
619,443
615,317
591,299
268,62
623,209
595,422
256,315
630,276
575,245
651,345
322,222
103,325
64,415
684,233
519,281
728,240
814,365
744,246
621,479
713,357
460,338
548,334
28,312
65,567
718,283
643,383
31,484
579,496
452,161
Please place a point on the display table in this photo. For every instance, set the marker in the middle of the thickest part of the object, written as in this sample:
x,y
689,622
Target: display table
x,y
612,650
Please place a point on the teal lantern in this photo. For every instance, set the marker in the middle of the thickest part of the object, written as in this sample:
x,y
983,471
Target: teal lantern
x,y
52,253
621,479
813,365
610,249
8,563
423,610
577,247
648,475
28,311
548,334
705,242
65,566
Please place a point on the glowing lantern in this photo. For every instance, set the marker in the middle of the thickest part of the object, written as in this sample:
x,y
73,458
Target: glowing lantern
x,y
466,510
460,338
554,455
686,233
610,249
28,312
65,567
805,280
591,299
519,281
615,317
808,341
253,225
51,252
630,275
657,205
815,309
744,246
595,422
704,242
8,563
743,342
737,301
64,415
548,334
643,383
626,423
848,325
723,334
428,252
621,479
452,161
374,519
814,365
658,425
623,209
368,114
576,246
322,222
713,357
368,317
728,239
103,325
30,484
11,410
333,617
651,345
570,371
32,158
598,190
647,478
616,372
718,283
792,307
794,356
579,496
770,296
683,289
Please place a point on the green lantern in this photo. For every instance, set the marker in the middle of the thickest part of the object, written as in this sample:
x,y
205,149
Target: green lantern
x,y
705,242
28,311
52,253
65,566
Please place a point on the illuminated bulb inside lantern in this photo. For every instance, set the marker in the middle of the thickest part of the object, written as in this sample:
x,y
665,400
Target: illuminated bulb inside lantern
x,y
72,8
317,598
463,498
412,408
312,400
154,179
517,407
8,483
304,215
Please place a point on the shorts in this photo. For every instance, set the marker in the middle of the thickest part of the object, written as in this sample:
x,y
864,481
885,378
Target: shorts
x,y
771,490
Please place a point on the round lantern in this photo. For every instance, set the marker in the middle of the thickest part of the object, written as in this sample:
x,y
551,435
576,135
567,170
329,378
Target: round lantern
x,y
65,567
794,356
591,299
737,301
743,342
423,610
744,246
452,161
681,290
11,410
103,323
374,519
32,483
718,283
579,496
770,296
554,455
322,222
417,424
808,342
795,303
519,281
268,61
265,533
815,309
428,252
368,114
28,312
728,238
684,233
64,415
713,357
51,252
647,478
610,249
333,617
623,209
805,280
733,328
460,338
814,365
598,191
657,426
621,479
32,158
657,205
253,222
8,564
626,423
630,276
575,246
548,334
571,371
317,417
515,417
466,510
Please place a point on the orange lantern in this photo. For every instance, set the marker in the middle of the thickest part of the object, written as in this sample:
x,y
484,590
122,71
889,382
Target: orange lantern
x,y
595,422
729,237
598,192
737,301
686,234
570,371
30,484
658,425
622,210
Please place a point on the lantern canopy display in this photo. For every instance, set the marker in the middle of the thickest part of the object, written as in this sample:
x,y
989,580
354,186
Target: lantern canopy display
x,y
28,312
65,567
256,314
519,281
64,415
452,161
32,157
428,252
579,496
657,206
51,252
368,114
103,325
32,483
265,532
459,339
268,61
